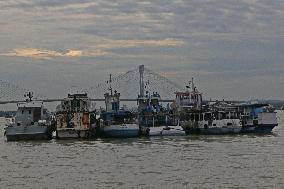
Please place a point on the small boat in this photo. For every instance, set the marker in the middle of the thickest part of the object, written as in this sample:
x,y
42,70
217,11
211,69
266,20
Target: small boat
x,y
73,117
257,117
117,122
31,122
164,131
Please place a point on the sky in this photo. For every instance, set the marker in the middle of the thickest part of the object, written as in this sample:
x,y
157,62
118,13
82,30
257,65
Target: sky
x,y
233,48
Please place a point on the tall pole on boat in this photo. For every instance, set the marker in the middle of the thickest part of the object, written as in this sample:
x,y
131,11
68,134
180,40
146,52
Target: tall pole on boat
x,y
141,72
192,85
110,88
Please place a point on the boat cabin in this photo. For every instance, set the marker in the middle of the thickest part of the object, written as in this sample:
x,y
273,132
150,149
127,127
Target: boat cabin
x,y
76,103
73,112
257,114
117,117
29,113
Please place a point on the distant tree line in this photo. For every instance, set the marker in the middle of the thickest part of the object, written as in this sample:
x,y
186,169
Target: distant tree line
x,y
7,113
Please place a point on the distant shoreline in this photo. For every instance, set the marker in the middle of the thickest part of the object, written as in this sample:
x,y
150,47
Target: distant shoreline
x,y
7,114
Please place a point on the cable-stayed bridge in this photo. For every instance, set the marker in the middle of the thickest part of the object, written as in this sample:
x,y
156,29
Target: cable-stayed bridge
x,y
128,84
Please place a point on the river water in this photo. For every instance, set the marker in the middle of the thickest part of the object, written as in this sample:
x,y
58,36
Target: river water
x,y
241,161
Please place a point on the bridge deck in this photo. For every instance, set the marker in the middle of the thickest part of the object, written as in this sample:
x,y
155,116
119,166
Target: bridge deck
x,y
102,100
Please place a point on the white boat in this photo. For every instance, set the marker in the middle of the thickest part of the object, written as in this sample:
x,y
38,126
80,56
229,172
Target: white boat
x,y
185,104
32,122
164,131
188,100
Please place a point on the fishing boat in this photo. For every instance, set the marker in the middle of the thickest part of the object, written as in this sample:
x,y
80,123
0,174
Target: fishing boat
x,y
73,117
199,117
257,117
154,119
188,100
185,104
116,121
31,122
213,122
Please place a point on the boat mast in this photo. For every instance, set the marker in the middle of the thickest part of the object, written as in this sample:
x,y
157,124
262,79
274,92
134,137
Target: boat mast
x,y
192,85
141,72
110,88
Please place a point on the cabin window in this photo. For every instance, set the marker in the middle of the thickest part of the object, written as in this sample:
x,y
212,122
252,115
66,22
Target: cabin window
x,y
223,115
196,117
30,111
229,124
207,117
192,117
187,117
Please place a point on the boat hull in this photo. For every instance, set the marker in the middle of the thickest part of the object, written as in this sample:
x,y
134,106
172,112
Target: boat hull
x,y
16,133
121,131
163,131
214,130
264,128
71,134
217,127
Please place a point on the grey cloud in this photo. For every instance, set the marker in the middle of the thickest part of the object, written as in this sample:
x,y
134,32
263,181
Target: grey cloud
x,y
237,40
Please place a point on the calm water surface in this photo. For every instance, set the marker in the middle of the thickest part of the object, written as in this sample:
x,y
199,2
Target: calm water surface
x,y
241,161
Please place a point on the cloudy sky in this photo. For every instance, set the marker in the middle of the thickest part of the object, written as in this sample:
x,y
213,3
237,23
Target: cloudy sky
x,y
233,48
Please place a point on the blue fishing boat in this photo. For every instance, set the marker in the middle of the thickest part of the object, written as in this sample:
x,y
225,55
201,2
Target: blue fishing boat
x,y
121,124
116,121
154,119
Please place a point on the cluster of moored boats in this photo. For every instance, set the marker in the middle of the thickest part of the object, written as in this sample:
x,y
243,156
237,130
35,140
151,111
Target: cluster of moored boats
x,y
187,114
